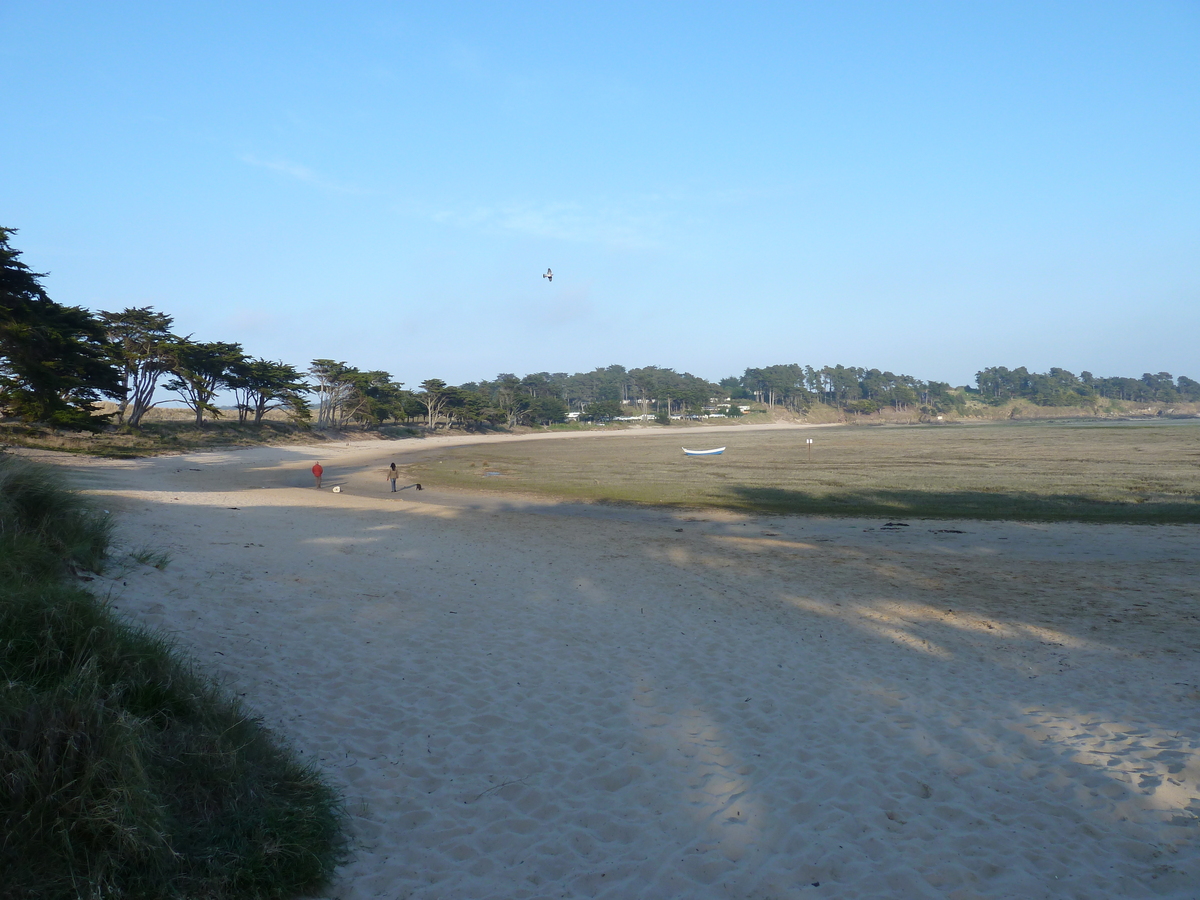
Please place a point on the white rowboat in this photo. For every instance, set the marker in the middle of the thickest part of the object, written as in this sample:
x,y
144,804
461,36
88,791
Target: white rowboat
x,y
716,452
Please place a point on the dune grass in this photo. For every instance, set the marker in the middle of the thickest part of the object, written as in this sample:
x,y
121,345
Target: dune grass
x,y
124,771
1034,471
157,437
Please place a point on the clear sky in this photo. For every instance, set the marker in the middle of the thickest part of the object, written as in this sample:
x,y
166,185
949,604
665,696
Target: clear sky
x,y
929,188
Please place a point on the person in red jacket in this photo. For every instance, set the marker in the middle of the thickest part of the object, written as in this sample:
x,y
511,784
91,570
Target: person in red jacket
x,y
317,473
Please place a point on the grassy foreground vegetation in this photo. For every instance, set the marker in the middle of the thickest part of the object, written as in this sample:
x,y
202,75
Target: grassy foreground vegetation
x,y
125,772
1034,471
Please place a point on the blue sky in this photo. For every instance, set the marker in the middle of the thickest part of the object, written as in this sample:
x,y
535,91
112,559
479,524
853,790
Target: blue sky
x,y
924,187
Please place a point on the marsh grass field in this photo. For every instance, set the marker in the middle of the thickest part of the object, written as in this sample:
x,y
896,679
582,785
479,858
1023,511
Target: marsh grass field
x,y
1134,472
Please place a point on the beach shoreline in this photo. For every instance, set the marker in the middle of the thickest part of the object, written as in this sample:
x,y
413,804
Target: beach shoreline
x,y
527,698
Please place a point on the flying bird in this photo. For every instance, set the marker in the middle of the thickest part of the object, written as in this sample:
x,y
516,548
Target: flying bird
x,y
549,274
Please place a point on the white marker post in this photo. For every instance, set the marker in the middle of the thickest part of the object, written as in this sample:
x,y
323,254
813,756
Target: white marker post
x,y
809,442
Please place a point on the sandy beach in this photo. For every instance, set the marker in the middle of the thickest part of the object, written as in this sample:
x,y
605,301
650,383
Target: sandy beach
x,y
528,699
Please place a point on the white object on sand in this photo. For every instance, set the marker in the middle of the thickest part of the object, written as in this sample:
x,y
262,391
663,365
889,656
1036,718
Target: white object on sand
x,y
716,452
337,489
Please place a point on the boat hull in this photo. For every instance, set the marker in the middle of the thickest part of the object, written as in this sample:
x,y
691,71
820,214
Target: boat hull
x,y
716,452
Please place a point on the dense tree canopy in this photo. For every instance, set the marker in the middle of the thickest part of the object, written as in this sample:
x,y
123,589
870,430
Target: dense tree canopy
x,y
55,360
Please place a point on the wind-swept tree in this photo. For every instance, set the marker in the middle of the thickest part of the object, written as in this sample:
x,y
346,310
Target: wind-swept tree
x,y
509,399
434,396
200,370
55,362
694,392
842,384
547,411
645,383
779,385
260,385
337,397
538,384
142,344
376,397
470,408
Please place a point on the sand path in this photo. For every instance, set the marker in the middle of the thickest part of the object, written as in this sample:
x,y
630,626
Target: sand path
x,y
525,699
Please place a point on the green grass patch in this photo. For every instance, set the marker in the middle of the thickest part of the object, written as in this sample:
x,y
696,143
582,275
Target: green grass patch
x,y
1147,472
124,770
148,556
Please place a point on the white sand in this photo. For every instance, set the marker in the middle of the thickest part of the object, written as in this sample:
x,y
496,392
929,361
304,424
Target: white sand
x,y
526,700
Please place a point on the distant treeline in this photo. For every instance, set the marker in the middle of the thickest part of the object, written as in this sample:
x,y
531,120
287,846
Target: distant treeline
x,y
868,390
57,362
344,394
1058,387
